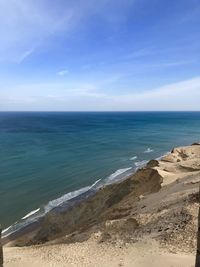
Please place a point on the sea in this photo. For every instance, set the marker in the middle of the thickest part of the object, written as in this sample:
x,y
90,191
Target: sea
x,y
49,158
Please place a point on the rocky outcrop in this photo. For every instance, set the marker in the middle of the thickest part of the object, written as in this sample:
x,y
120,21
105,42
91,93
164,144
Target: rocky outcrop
x,y
180,154
152,163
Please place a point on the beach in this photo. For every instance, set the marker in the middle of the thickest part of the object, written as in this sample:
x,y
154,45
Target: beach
x,y
155,220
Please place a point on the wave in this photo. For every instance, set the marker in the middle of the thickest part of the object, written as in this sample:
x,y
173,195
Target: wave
x,y
61,200
149,150
57,202
141,163
35,215
30,214
133,158
72,195
116,174
5,230
40,212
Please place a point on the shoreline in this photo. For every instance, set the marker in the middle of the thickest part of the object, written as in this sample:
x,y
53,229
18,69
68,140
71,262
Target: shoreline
x,y
150,216
47,171
33,225
33,218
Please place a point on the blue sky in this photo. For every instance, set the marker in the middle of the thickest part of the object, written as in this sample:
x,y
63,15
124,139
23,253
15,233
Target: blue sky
x,y
99,55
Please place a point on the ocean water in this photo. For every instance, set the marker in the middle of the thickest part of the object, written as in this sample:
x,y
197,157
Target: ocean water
x,y
47,158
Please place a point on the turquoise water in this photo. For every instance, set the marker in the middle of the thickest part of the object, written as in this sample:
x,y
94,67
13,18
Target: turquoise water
x,y
43,156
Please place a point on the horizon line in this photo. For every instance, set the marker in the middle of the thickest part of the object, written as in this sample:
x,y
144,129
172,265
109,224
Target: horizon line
x,y
99,111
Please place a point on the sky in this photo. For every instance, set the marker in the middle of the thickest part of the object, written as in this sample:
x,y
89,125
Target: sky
x,y
108,55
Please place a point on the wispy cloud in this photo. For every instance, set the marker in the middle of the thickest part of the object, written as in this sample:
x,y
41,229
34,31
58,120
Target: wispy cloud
x,y
140,53
26,24
63,72
182,95
116,50
26,54
165,64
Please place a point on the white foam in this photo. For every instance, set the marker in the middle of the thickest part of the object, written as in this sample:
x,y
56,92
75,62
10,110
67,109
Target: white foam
x,y
30,213
54,203
93,185
57,202
133,158
117,173
141,163
5,230
149,150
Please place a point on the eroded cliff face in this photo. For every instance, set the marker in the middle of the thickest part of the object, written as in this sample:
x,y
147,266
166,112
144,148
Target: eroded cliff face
x,y
160,201
93,210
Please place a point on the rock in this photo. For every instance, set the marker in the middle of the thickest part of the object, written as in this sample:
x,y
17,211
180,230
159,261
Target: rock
x,y
169,158
141,197
153,163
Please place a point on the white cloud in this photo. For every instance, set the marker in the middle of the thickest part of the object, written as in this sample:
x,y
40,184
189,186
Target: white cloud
x,y
182,95
26,54
63,72
26,24
140,53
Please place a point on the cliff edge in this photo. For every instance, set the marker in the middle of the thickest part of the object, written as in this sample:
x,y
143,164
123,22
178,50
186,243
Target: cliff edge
x,y
158,205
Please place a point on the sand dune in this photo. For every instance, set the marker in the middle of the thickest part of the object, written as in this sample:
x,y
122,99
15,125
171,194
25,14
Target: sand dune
x,y
90,254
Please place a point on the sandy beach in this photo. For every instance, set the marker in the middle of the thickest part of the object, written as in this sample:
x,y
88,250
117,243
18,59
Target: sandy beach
x,y
154,223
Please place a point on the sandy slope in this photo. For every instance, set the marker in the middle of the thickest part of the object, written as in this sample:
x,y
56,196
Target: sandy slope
x,y
91,254
158,228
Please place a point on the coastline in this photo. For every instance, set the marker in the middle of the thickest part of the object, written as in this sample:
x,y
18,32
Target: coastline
x,y
38,230
150,216
48,168
35,217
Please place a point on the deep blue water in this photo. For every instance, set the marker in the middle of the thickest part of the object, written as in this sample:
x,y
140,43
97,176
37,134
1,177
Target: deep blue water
x,y
46,155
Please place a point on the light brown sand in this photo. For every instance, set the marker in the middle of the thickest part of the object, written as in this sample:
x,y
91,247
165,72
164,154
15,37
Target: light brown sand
x,y
91,254
157,230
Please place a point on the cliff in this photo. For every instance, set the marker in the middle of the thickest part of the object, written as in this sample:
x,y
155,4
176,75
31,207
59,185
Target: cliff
x,y
159,202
